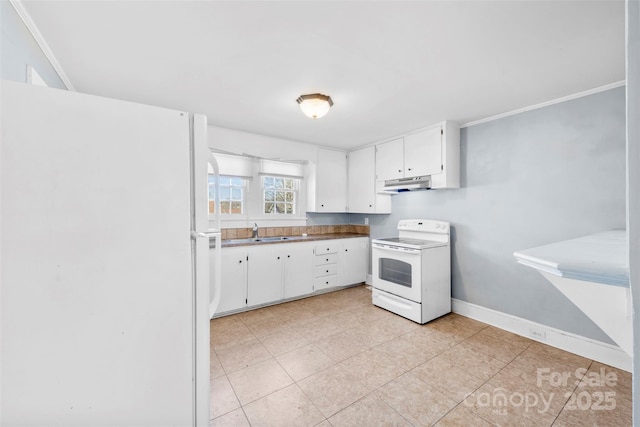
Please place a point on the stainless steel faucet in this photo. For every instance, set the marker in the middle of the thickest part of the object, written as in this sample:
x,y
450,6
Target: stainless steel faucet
x,y
255,231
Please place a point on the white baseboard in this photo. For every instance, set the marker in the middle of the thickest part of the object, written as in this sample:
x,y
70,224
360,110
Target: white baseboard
x,y
602,352
369,280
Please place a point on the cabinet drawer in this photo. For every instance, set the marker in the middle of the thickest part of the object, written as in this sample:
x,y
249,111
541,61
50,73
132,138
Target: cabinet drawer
x,y
327,248
325,282
325,259
325,270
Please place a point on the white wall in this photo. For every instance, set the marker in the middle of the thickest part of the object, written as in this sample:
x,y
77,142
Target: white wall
x,y
633,183
239,142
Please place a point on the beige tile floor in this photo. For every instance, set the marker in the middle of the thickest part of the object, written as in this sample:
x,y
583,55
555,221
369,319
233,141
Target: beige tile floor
x,y
337,360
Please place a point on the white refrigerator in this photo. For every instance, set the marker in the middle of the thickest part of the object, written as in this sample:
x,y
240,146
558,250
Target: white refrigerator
x,y
105,262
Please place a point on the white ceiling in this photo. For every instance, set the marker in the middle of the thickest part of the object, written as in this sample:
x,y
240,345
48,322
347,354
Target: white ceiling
x,y
390,66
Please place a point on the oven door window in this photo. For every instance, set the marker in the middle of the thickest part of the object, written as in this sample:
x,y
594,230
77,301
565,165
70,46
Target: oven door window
x,y
395,271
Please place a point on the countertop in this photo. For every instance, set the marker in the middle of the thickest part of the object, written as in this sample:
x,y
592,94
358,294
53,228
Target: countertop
x,y
600,258
227,243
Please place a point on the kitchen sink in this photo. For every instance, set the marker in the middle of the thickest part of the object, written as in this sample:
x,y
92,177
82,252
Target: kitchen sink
x,y
271,239
257,239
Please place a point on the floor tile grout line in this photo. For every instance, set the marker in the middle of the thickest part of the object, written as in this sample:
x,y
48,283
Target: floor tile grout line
x,y
572,392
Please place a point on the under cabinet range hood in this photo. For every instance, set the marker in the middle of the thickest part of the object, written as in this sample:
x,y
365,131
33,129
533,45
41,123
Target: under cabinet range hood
x,y
407,184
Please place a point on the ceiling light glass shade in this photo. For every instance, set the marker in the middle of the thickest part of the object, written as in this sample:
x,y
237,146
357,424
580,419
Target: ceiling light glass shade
x,y
315,105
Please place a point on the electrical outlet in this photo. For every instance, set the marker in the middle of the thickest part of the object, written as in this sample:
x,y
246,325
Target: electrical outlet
x,y
366,221
538,334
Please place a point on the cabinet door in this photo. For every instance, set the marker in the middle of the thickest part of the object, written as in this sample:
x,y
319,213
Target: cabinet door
x,y
423,153
390,160
362,180
331,181
233,289
354,260
265,275
298,269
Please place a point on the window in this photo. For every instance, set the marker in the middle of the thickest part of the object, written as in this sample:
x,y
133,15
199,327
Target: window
x,y
279,195
231,194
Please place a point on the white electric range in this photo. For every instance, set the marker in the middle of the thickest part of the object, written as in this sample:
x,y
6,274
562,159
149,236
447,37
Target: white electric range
x,y
412,272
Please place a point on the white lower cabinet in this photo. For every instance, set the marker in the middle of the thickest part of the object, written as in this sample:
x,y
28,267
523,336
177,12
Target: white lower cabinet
x,y
279,271
353,263
233,286
325,270
298,264
263,274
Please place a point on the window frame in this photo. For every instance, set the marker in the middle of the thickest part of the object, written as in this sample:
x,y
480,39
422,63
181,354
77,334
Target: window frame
x,y
293,190
243,200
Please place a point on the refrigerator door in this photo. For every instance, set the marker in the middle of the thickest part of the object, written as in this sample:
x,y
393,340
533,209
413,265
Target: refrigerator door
x,y
98,317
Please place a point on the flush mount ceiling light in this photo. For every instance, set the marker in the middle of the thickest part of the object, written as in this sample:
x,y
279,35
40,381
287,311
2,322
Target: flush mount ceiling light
x,y
315,105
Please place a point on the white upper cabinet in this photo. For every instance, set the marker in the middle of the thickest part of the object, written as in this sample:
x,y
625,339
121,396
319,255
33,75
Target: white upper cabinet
x,y
423,152
449,175
327,182
390,160
434,151
363,197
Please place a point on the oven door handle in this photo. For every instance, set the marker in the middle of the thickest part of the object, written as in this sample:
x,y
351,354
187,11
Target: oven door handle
x,y
397,250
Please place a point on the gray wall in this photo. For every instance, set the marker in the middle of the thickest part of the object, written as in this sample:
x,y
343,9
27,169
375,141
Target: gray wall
x,y
534,178
19,49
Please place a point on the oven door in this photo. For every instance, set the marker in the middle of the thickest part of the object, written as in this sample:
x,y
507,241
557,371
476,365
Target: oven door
x,y
397,270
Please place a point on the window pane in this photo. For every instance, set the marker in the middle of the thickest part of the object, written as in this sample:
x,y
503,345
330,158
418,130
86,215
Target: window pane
x,y
236,207
279,195
231,190
212,187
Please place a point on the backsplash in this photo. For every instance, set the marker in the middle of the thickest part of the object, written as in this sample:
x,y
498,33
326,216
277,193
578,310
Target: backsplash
x,y
244,233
